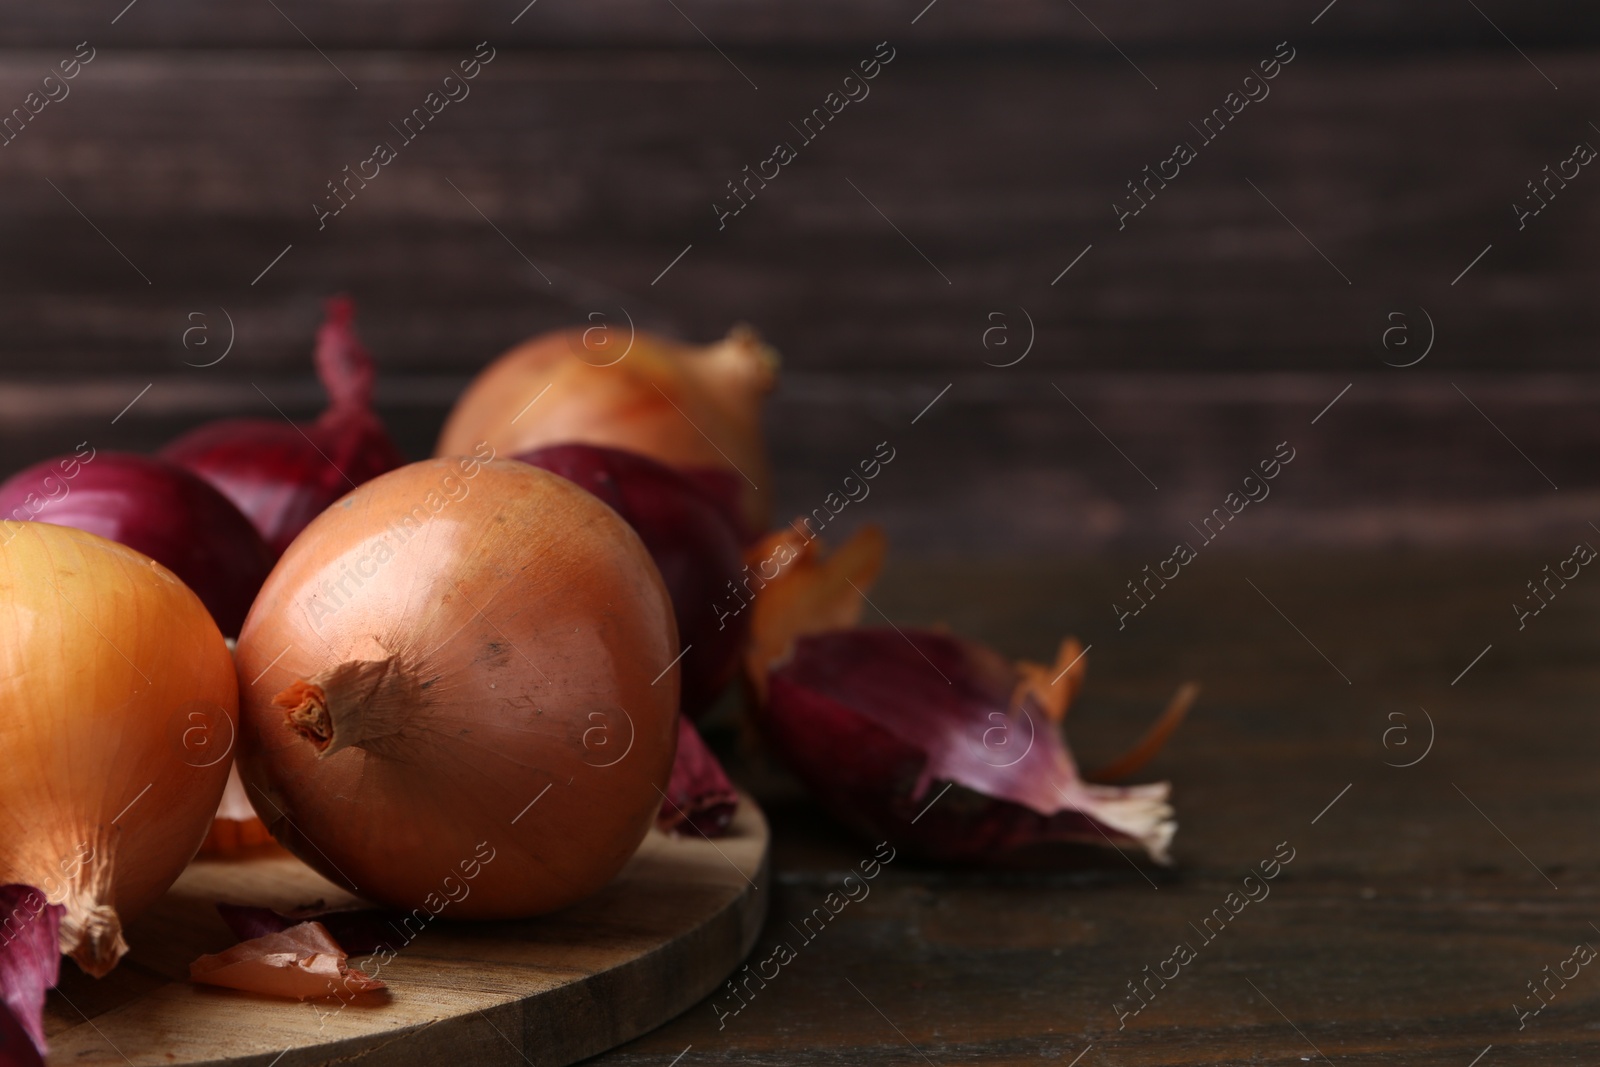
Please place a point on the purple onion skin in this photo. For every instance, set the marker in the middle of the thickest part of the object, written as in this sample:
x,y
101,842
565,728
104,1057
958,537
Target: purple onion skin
x,y
279,478
694,546
359,931
30,966
839,712
156,508
282,475
16,1044
700,798
725,489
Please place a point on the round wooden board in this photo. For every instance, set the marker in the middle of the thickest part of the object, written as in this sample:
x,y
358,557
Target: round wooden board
x,y
550,991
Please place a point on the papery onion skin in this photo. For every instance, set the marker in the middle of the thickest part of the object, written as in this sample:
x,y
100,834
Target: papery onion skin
x,y
120,710
492,699
700,799
303,962
156,508
359,931
694,547
283,475
30,965
875,721
694,408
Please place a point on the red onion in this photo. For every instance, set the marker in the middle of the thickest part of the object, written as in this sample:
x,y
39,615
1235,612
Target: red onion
x,y
156,508
699,799
694,546
282,475
881,723
30,964
727,491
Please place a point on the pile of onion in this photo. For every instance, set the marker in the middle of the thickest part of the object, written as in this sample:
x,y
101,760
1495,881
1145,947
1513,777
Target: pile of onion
x,y
692,543
156,508
120,710
881,724
282,475
458,691
694,408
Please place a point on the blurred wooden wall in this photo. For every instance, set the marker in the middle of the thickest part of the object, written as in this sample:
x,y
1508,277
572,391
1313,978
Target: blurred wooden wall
x,y
918,242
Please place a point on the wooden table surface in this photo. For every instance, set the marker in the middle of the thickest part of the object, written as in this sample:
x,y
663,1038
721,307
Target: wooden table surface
x,y
1420,901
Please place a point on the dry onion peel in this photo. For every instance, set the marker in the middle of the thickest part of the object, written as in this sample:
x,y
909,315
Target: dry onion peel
x,y
360,931
120,707
871,719
694,408
700,798
30,963
303,962
1052,688
1145,749
811,594
459,691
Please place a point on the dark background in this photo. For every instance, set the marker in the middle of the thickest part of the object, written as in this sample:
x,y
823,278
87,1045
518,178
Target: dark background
x,y
1197,338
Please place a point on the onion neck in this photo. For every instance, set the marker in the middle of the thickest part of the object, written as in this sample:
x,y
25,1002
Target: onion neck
x,y
360,704
91,930
738,370
91,934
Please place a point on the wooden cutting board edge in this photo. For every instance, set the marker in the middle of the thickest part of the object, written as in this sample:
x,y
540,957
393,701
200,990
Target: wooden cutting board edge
x,y
556,1026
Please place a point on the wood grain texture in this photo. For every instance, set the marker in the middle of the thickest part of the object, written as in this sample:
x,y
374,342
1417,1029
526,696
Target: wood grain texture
x,y
671,926
601,168
360,24
1012,461
1402,931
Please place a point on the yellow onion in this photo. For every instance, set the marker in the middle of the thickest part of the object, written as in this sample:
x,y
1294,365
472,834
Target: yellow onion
x,y
460,690
118,710
691,407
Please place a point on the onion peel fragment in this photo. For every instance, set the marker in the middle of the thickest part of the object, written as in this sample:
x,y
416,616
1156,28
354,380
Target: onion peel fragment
x,y
303,962
1145,749
1052,688
359,931
699,797
30,962
810,593
872,719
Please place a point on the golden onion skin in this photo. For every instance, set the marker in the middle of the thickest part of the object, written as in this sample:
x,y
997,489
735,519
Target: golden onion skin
x,y
116,729
696,408
456,694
